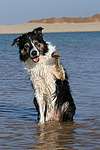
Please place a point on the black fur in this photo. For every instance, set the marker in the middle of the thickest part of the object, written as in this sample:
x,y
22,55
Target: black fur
x,y
64,95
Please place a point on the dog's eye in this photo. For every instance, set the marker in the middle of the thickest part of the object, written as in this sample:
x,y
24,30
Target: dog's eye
x,y
37,44
26,45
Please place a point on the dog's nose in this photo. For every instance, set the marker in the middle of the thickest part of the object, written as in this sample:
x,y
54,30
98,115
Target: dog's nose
x,y
34,53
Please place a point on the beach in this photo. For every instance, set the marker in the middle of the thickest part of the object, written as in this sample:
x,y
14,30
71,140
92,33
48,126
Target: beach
x,y
50,28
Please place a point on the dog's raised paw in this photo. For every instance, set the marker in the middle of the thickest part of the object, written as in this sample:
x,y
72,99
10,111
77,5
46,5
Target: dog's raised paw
x,y
55,54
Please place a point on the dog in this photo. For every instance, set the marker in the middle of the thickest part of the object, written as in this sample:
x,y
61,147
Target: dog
x,y
53,99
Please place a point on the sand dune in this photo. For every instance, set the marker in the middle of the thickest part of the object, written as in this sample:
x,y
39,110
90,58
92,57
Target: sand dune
x,y
94,18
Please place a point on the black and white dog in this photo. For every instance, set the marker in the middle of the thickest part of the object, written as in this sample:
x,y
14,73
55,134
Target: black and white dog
x,y
53,99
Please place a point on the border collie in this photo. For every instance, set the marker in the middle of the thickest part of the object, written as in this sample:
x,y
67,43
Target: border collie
x,y
53,99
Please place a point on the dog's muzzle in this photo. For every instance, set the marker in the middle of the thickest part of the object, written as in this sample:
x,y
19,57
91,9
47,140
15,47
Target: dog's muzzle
x,y
34,55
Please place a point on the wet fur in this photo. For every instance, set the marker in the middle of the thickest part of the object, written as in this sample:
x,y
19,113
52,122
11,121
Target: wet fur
x,y
53,99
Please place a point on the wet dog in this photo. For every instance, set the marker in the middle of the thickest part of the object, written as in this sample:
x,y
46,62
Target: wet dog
x,y
53,99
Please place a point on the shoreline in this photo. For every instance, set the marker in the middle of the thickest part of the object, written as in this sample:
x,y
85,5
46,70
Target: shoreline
x,y
50,28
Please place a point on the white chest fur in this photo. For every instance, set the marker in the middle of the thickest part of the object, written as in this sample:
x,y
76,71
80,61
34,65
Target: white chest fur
x,y
43,76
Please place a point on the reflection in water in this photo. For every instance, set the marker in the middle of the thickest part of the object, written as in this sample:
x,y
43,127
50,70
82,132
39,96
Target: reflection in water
x,y
19,130
55,135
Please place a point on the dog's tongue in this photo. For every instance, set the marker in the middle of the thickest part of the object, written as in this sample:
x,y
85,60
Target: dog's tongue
x,y
36,59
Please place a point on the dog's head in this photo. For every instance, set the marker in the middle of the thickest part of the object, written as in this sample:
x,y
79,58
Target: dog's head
x,y
31,45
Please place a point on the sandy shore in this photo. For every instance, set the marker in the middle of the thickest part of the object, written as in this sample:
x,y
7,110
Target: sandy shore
x,y
49,28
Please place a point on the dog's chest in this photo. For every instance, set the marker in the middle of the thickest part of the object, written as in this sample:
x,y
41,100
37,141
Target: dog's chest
x,y
43,78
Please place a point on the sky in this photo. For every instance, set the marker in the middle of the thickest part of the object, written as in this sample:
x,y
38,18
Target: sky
x,y
21,11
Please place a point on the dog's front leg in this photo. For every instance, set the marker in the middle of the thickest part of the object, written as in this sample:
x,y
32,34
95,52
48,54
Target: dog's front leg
x,y
41,104
59,68
56,55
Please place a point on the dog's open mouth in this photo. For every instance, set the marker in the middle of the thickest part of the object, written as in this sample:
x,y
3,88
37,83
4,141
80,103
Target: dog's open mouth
x,y
34,55
35,59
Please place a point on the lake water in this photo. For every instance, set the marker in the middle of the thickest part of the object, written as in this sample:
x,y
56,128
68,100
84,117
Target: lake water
x,y
80,56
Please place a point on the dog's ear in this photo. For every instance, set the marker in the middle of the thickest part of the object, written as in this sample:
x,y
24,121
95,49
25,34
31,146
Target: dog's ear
x,y
16,41
38,31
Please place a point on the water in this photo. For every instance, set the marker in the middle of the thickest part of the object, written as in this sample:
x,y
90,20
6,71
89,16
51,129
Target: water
x,y
80,56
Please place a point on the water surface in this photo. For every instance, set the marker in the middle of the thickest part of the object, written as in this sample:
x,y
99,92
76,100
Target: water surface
x,y
80,56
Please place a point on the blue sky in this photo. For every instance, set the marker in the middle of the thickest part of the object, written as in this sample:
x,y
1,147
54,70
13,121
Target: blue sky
x,y
21,11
